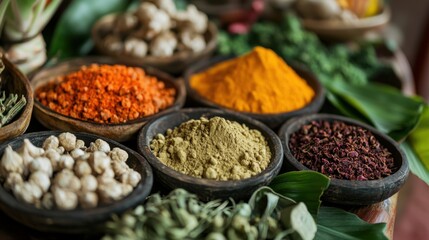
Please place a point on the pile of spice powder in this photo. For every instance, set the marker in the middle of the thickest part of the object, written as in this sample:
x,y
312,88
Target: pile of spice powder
x,y
341,151
258,82
213,148
107,94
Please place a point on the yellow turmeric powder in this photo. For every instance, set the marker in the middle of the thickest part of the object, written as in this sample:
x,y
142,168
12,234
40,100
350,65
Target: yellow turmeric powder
x,y
258,82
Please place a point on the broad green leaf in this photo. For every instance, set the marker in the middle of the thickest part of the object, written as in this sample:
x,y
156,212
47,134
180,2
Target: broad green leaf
x,y
264,200
73,30
419,138
416,165
334,223
3,6
385,107
302,186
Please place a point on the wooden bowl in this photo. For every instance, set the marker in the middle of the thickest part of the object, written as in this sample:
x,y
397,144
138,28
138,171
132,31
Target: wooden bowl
x,y
271,120
173,64
340,30
13,81
208,189
348,192
78,220
119,132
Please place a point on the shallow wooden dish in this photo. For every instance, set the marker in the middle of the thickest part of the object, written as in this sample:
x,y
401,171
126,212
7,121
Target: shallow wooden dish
x,y
209,189
13,81
174,64
340,30
118,132
348,192
271,120
78,220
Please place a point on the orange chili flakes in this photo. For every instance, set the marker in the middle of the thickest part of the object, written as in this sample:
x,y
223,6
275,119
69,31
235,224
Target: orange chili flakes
x,y
107,94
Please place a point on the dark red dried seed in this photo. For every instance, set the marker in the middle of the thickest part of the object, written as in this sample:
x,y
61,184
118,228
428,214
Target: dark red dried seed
x,y
341,151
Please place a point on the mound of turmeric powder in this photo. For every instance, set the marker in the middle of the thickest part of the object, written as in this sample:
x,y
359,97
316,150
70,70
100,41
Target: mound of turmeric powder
x,y
258,82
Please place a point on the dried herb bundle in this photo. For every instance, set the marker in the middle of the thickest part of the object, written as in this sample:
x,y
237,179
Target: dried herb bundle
x,y
10,106
341,151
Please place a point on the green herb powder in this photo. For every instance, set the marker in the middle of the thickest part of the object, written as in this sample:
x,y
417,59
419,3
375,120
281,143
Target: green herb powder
x,y
213,148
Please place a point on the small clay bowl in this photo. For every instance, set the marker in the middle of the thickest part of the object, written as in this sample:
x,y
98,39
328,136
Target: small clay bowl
x,y
175,64
13,81
271,120
208,189
119,132
78,220
348,192
347,31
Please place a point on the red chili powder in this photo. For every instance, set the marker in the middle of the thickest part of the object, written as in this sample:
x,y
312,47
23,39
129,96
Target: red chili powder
x,y
106,94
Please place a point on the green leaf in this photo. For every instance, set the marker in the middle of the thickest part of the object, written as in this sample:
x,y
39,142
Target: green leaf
x,y
302,186
334,223
416,166
385,107
3,6
73,30
419,138
266,203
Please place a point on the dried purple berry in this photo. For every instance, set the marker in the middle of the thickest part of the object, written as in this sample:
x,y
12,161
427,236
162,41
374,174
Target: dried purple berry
x,y
341,151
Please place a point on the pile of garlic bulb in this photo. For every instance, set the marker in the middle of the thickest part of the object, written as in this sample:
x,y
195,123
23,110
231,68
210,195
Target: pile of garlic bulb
x,y
65,174
156,28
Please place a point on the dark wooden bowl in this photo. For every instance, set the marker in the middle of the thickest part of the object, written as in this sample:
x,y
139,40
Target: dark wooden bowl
x,y
348,192
78,220
208,189
119,132
13,81
173,64
271,120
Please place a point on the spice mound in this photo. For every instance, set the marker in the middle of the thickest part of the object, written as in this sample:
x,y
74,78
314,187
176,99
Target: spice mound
x,y
213,148
65,174
258,82
107,94
341,151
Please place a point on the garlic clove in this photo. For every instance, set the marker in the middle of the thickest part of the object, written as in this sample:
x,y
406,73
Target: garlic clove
x,y
76,153
54,157
66,179
67,140
27,192
89,183
120,167
48,201
52,142
65,199
99,161
31,149
110,191
99,145
82,168
40,179
66,161
80,144
41,164
11,162
118,154
12,180
131,177
88,199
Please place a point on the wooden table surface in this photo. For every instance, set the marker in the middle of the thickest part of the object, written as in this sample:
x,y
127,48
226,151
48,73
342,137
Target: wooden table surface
x,y
377,213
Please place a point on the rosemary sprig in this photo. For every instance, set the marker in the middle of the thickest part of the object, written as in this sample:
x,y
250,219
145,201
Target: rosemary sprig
x,y
10,107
